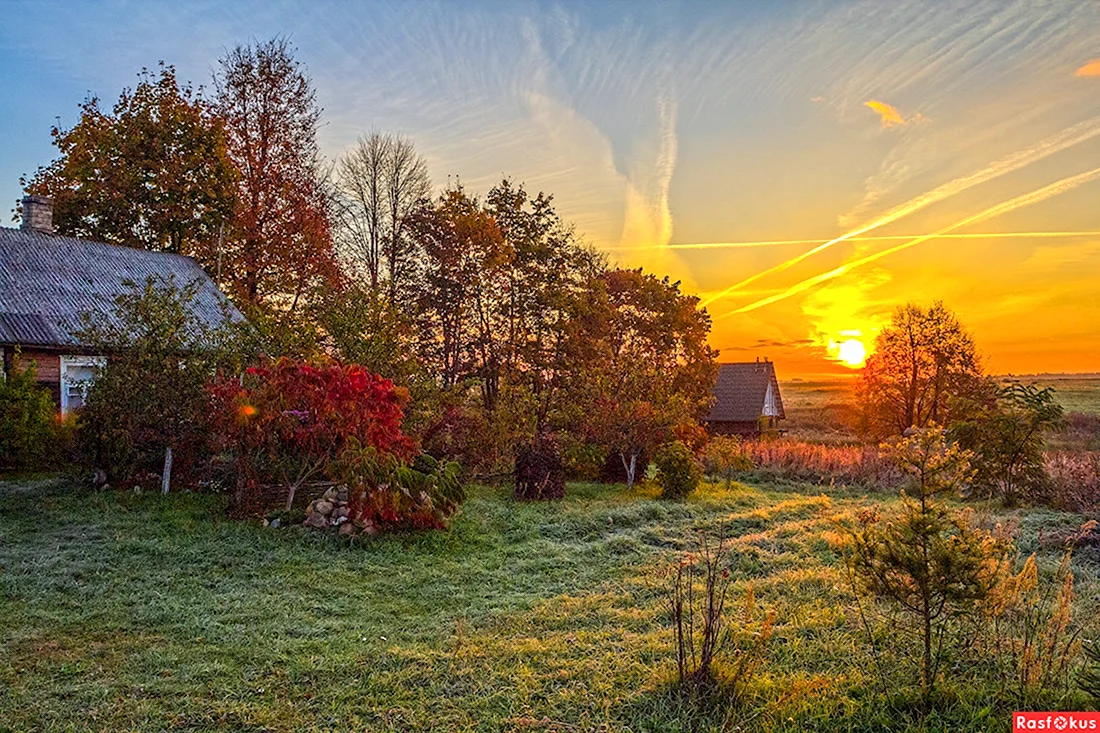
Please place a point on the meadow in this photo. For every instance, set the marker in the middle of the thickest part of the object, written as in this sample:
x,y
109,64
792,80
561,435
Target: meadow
x,y
148,612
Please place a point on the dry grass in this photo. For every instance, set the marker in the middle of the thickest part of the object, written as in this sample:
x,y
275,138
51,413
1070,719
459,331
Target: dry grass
x,y
822,463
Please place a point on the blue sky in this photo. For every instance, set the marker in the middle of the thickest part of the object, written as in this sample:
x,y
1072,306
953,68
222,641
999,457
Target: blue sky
x,y
658,124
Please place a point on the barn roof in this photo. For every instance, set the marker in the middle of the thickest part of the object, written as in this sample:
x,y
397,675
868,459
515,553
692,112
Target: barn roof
x,y
47,281
740,390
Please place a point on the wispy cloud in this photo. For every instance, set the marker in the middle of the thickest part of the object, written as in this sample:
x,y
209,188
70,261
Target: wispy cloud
x,y
1055,143
1033,197
888,113
1092,68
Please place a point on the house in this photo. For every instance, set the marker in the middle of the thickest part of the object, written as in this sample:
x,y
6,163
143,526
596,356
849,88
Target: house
x,y
47,281
746,399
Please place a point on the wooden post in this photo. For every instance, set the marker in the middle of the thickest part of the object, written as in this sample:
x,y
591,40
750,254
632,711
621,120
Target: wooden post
x,y
166,477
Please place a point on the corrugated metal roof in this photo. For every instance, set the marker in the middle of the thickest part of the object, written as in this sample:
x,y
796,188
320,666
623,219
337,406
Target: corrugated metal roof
x,y
47,281
740,391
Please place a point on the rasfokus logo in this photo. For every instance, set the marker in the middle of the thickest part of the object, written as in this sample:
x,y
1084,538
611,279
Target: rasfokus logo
x,y
1055,721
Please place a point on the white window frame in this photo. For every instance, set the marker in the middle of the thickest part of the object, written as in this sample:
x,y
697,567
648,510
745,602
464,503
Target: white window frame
x,y
76,361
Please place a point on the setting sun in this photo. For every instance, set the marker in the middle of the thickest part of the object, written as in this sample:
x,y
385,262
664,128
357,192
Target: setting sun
x,y
851,352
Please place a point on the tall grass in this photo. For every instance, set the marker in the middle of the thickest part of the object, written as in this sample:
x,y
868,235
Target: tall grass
x,y
798,460
1074,479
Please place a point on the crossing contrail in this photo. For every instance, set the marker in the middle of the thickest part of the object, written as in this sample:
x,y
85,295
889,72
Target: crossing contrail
x,y
882,238
1067,138
1004,207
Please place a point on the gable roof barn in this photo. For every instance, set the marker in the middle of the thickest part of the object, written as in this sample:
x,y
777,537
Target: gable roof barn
x,y
744,392
47,281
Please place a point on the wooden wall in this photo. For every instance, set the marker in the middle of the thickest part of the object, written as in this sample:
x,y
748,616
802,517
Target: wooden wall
x,y
47,366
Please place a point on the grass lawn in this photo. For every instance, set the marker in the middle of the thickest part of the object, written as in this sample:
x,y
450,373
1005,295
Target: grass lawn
x,y
124,612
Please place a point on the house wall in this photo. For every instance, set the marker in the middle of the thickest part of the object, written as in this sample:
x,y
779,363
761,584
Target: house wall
x,y
47,366
731,427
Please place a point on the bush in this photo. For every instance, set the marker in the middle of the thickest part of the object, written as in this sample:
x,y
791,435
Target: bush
x,y
289,421
712,653
27,422
1006,437
678,473
723,456
540,473
386,492
151,398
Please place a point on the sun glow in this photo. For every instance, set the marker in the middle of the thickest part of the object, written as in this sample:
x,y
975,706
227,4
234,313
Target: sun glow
x,y
851,352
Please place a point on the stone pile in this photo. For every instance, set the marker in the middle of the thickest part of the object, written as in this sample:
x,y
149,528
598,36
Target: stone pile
x,y
332,510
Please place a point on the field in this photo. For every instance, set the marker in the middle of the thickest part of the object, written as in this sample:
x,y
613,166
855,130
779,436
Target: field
x,y
821,410
129,612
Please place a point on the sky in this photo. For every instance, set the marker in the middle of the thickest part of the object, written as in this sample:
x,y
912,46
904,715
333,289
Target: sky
x,y
803,167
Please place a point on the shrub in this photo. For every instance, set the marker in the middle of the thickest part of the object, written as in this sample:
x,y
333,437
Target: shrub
x,y
1006,439
723,456
288,421
678,473
387,492
27,422
539,473
1073,480
705,639
928,562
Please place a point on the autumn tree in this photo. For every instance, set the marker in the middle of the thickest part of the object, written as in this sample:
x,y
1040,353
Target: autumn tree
x,y
656,369
153,172
464,261
381,183
280,247
545,312
922,365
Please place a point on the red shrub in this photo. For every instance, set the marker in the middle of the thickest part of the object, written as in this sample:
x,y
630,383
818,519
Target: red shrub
x,y
287,421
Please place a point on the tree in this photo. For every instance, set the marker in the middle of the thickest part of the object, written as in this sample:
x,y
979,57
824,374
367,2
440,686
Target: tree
x,y
464,274
655,370
1006,436
280,246
928,561
922,365
382,181
153,173
150,402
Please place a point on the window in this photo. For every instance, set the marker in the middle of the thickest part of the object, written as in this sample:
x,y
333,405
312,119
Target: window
x,y
77,373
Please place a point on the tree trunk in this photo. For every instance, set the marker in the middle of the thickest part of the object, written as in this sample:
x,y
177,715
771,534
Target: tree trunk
x,y
166,476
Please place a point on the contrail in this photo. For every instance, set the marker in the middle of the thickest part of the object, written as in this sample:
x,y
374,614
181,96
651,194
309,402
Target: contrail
x,y
1067,138
883,238
1004,207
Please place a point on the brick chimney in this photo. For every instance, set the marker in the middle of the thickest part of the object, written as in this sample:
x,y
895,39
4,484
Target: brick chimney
x,y
38,213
